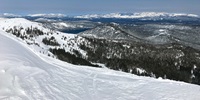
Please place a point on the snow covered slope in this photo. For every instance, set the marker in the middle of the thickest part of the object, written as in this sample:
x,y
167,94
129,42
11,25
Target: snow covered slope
x,y
27,75
7,23
34,34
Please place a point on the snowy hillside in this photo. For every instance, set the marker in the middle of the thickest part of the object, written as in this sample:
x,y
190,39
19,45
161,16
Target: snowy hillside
x,y
39,37
6,23
28,75
137,15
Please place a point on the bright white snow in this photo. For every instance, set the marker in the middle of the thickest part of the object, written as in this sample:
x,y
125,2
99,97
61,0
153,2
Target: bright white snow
x,y
26,75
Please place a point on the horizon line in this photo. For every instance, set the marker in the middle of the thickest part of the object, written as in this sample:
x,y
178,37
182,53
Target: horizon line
x,y
71,15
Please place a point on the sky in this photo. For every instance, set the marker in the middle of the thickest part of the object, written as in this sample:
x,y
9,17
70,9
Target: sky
x,y
80,7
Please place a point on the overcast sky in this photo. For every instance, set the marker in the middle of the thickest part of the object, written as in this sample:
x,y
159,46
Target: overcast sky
x,y
78,7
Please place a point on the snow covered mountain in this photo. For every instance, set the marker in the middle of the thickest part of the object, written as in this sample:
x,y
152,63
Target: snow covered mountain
x,y
28,75
51,15
138,15
35,34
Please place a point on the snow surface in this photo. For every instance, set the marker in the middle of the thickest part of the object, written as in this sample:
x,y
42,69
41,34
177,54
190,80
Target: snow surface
x,y
137,15
28,75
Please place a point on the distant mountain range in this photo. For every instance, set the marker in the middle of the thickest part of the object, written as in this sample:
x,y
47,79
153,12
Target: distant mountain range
x,y
138,15
51,15
111,15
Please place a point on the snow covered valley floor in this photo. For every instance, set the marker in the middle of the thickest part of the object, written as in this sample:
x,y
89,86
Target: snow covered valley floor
x,y
26,75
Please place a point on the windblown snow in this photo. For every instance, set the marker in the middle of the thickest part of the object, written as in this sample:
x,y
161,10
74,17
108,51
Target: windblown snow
x,y
28,75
